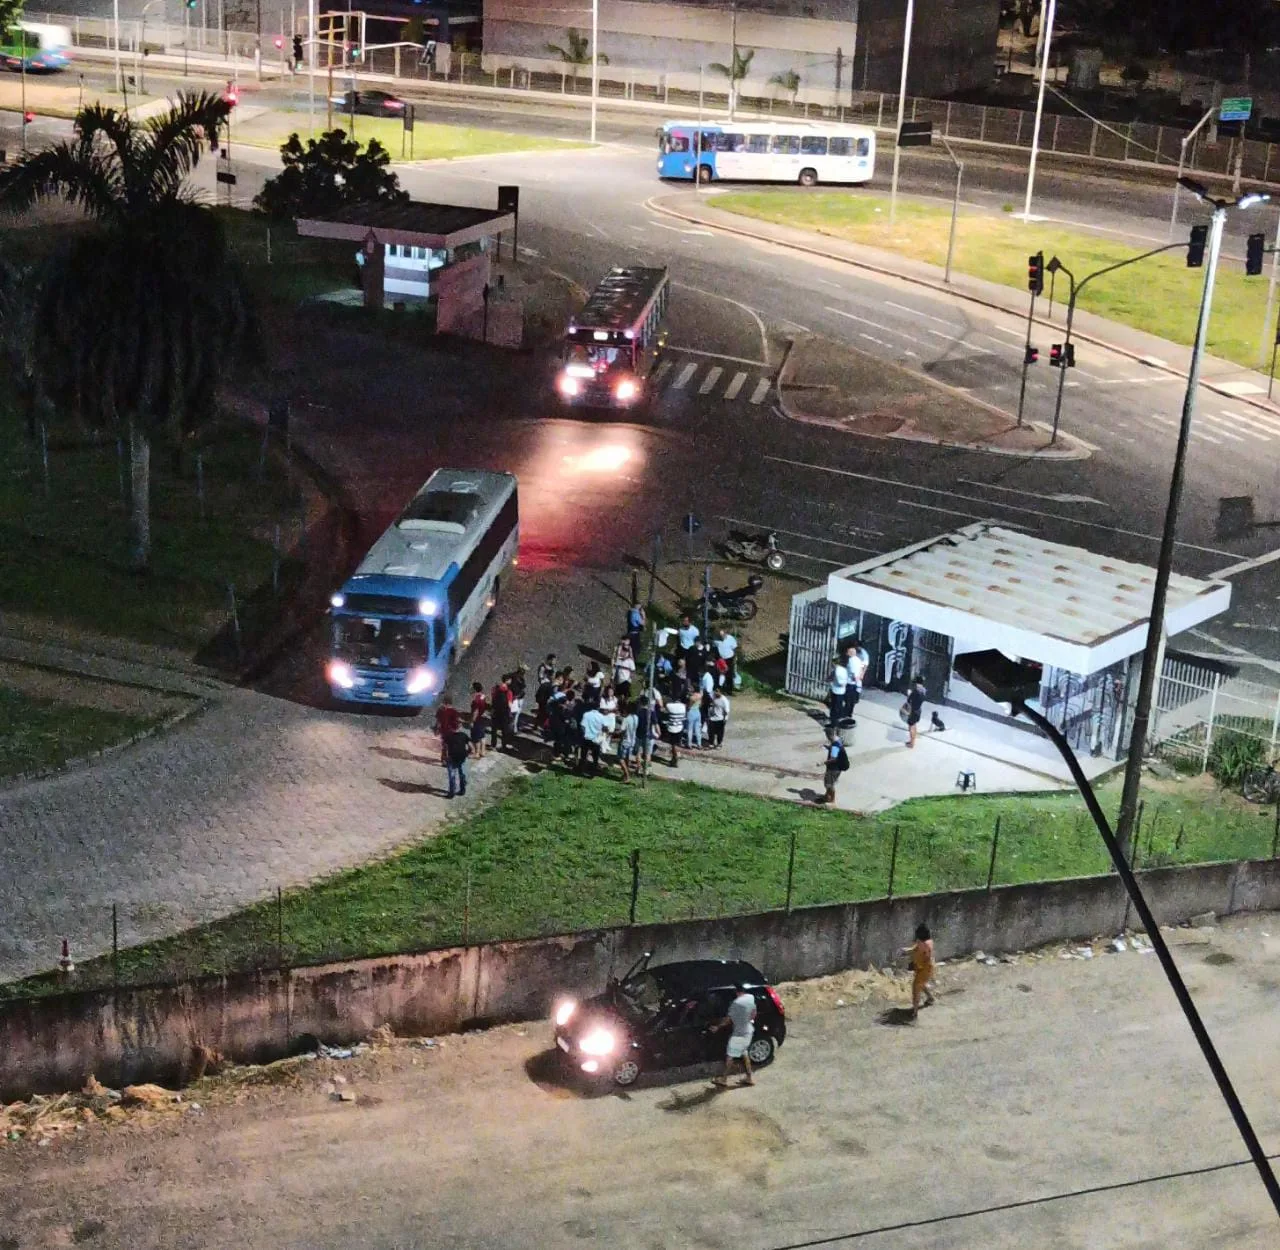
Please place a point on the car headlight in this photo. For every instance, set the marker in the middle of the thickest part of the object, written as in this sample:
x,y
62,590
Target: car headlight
x,y
597,1042
626,389
340,674
565,1011
419,680
568,385
337,600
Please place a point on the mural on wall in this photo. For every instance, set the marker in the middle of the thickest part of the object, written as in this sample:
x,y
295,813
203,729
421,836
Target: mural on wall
x,y
898,637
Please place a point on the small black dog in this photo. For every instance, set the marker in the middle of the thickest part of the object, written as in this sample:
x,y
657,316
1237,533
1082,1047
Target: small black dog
x,y
936,722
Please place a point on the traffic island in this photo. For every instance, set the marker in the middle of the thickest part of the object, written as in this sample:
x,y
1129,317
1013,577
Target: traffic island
x,y
823,382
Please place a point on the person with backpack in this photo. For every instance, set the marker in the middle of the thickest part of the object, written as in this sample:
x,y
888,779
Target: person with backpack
x,y
500,715
456,749
835,762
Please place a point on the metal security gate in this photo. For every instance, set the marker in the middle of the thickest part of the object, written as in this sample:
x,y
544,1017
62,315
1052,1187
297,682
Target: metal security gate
x,y
811,643
1086,709
931,659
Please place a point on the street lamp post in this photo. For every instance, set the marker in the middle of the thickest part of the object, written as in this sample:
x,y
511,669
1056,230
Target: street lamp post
x,y
595,63
311,66
1047,34
1183,143
115,23
142,50
1155,626
1006,681
902,104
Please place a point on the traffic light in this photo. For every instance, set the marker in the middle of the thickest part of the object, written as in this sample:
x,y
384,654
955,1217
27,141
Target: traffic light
x,y
1035,273
1055,355
1069,355
297,50
191,4
1032,356
1195,248
278,41
1254,246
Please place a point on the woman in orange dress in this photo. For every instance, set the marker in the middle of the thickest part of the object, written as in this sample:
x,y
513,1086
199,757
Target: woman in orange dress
x,y
922,969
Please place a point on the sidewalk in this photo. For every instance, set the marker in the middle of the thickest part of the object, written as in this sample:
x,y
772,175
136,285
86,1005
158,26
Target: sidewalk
x,y
1243,385
823,382
774,748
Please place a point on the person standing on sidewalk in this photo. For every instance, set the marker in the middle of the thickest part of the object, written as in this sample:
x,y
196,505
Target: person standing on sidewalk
x,y
913,706
839,692
500,715
592,742
624,667
456,749
686,640
447,722
629,728
922,969
717,719
635,626
835,762
726,648
519,685
479,706
857,663
693,722
673,718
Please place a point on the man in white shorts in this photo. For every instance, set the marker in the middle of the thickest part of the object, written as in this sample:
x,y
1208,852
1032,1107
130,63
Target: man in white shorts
x,y
741,1023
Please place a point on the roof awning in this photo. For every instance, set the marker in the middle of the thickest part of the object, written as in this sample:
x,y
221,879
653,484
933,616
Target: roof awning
x,y
414,224
1028,597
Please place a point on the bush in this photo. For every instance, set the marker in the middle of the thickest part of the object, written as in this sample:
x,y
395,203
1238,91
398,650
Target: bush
x,y
1233,754
327,174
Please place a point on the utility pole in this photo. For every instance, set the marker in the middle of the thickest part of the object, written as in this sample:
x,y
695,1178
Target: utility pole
x,y
733,57
1046,32
902,104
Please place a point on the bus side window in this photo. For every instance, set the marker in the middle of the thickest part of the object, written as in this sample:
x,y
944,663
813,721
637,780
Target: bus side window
x,y
785,145
437,634
757,143
864,147
733,143
813,145
840,147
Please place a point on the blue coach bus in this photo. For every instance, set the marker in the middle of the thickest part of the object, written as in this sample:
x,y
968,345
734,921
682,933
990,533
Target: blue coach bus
x,y
35,46
422,593
783,151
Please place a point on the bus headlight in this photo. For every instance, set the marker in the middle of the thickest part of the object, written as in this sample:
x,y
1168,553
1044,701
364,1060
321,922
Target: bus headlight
x,y
427,607
626,389
337,600
340,674
419,680
568,386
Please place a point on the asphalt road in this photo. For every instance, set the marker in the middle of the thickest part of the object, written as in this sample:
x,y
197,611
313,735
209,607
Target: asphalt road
x,y
1047,1102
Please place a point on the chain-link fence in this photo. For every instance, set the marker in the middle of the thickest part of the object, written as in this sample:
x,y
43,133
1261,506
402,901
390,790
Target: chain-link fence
x,y
437,897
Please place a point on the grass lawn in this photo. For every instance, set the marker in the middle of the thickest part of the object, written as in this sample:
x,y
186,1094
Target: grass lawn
x,y
40,734
1160,295
430,141
552,855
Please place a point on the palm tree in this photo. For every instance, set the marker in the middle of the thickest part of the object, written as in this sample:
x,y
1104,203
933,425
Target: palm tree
x,y
735,73
789,81
576,53
136,318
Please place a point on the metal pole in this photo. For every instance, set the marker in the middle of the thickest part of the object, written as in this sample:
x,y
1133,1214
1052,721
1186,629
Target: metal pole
x,y
1062,364
1271,294
1026,357
1271,381
311,65
186,36
733,58
955,208
1182,160
697,142
902,104
1047,32
595,63
23,63
1134,891
635,885
995,846
115,21
791,865
1155,626
647,745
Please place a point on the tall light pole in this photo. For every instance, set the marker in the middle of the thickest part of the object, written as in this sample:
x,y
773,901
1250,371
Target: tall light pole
x,y
115,21
733,57
311,65
1047,33
1155,626
595,63
1182,162
902,105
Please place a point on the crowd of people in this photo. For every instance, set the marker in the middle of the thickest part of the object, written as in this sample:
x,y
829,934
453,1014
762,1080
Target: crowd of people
x,y
622,711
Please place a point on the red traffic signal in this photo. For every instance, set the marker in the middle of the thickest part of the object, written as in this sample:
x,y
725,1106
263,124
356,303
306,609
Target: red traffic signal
x,y
1032,356
28,117
231,95
1055,355
1035,273
278,41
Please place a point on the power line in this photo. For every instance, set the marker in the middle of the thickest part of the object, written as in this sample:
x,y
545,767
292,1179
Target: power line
x,y
1017,1205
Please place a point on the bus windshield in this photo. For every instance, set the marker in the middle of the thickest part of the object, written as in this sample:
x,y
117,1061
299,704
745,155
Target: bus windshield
x,y
371,640
597,355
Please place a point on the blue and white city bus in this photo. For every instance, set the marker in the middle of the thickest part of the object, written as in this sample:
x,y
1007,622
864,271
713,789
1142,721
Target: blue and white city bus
x,y
783,151
422,593
35,46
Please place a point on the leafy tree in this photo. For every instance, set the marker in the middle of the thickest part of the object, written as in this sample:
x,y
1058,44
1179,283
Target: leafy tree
x,y
576,52
329,172
17,340
135,319
10,13
735,72
789,81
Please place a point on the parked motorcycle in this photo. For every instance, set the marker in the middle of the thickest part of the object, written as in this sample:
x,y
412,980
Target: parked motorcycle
x,y
761,548
732,605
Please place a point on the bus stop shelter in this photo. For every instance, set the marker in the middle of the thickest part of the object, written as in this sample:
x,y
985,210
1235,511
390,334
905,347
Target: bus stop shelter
x,y
421,251
1080,615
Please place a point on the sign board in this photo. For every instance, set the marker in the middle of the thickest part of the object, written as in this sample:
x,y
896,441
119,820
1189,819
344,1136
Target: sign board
x,y
509,200
691,524
408,118
1236,109
915,135
227,177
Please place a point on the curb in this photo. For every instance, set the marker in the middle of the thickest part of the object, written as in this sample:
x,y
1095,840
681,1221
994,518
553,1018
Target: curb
x,y
653,204
1076,450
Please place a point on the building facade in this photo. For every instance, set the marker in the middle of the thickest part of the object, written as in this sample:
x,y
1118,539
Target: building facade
x,y
843,46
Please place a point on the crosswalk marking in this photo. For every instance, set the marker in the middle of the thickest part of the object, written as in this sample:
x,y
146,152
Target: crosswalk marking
x,y
684,375
1226,428
713,376
1249,425
762,389
661,371
731,391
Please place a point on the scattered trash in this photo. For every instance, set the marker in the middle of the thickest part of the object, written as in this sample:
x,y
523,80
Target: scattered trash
x,y
343,1095
979,955
153,1096
839,1002
425,1043
383,1035
990,961
1117,945
334,1052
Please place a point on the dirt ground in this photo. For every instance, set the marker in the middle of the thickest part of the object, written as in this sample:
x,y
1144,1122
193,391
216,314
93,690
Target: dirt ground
x,y
109,696
1047,1101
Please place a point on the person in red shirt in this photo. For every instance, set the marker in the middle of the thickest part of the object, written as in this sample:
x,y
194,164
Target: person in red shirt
x,y
447,722
500,715
479,706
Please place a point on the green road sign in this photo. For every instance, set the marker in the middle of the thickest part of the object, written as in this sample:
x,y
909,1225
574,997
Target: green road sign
x,y
1236,109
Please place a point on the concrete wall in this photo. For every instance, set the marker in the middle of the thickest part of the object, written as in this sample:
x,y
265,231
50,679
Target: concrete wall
x,y
953,43
149,1033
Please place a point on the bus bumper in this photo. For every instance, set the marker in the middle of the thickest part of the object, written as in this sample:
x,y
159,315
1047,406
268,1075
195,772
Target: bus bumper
x,y
378,688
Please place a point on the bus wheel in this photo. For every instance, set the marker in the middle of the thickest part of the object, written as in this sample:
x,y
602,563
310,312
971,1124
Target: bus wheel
x,y
808,177
704,174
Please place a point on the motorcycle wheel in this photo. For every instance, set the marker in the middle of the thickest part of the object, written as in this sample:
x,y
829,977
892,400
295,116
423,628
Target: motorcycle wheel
x,y
774,561
747,609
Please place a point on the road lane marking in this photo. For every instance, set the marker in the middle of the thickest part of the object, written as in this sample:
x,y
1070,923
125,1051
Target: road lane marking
x,y
951,494
866,321
731,391
862,334
746,308
1244,566
737,360
762,389
684,375
1056,497
1208,438
709,382
813,538
942,321
1251,424
1221,427
661,371
828,282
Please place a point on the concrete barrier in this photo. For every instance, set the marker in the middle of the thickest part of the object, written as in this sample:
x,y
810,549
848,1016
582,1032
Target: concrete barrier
x,y
150,1032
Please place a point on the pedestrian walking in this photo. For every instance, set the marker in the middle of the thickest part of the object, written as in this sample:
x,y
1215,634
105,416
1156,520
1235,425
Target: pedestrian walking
x,y
835,762
741,1023
479,706
838,693
717,719
500,715
628,745
635,625
456,749
447,722
624,667
726,649
922,969
519,684
674,712
913,706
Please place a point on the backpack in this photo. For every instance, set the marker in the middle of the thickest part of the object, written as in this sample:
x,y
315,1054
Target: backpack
x,y
842,760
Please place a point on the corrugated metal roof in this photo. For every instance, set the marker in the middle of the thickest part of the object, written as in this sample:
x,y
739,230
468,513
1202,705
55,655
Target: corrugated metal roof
x,y
415,217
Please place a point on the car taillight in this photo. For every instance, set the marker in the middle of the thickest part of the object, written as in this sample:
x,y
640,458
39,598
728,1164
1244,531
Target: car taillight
x,y
777,1002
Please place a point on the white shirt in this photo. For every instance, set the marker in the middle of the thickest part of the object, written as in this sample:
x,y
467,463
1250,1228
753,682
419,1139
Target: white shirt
x,y
688,635
859,662
742,1012
726,646
839,679
707,682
